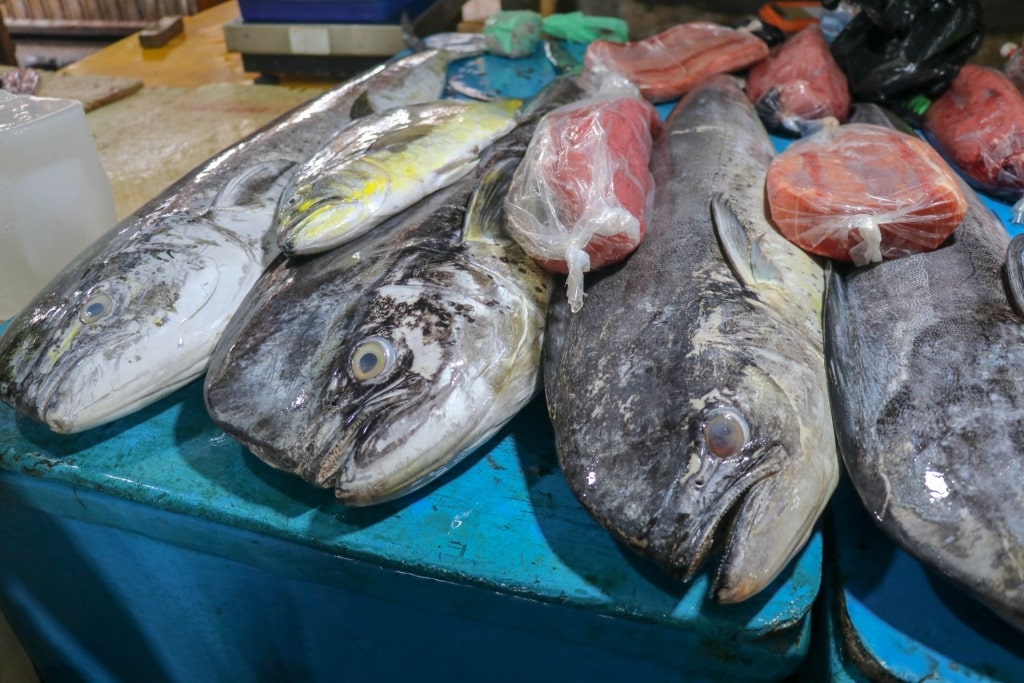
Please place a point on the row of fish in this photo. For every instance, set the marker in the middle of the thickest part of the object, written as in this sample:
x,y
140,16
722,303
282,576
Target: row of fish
x,y
690,396
138,314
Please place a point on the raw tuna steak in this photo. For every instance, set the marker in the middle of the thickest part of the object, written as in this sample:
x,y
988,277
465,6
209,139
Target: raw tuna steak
x,y
581,198
799,82
862,192
672,62
978,125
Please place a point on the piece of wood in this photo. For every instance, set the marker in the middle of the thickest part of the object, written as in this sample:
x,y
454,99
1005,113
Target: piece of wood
x,y
200,58
159,33
7,55
92,91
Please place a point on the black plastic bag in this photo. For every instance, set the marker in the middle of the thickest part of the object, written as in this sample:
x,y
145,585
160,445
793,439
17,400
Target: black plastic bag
x,y
896,50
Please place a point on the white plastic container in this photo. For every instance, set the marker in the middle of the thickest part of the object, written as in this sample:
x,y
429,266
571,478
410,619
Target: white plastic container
x,y
55,197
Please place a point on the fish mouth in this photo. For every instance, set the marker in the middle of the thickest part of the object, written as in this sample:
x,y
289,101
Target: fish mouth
x,y
716,526
343,442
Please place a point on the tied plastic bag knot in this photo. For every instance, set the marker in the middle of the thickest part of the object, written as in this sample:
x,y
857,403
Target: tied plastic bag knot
x,y
870,248
578,262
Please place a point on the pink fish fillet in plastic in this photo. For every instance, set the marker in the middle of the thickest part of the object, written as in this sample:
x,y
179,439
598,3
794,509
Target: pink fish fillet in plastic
x,y
862,192
672,62
978,125
800,82
581,196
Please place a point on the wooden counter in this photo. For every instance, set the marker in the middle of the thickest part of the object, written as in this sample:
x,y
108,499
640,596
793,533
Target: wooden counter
x,y
193,58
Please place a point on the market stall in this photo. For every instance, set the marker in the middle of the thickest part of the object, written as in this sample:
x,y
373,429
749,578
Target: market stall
x,y
158,547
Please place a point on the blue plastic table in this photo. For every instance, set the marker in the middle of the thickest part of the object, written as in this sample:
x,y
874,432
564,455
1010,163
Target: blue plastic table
x,y
158,549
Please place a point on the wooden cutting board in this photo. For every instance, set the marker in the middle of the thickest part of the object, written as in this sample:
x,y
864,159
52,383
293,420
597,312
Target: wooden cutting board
x,y
93,91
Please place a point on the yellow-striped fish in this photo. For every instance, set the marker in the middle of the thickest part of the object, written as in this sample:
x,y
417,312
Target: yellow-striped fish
x,y
382,164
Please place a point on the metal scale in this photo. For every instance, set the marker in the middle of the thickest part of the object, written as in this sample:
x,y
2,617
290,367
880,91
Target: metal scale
x,y
329,40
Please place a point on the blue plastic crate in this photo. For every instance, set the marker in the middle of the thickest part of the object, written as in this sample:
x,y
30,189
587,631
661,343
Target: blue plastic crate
x,y
331,11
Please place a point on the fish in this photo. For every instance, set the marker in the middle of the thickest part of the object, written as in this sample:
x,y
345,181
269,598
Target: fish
x,y
382,164
372,368
689,398
137,314
925,359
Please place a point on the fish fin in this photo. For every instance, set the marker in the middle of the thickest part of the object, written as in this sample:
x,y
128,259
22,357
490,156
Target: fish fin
x,y
1014,271
401,137
361,107
256,185
412,41
746,259
485,214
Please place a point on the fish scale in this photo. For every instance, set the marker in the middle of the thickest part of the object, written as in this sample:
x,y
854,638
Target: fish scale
x,y
712,324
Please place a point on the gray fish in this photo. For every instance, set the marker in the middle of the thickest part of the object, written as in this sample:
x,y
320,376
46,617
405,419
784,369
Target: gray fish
x,y
374,367
926,366
137,314
689,401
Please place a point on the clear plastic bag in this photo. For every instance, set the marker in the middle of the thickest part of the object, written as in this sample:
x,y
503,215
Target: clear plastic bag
x,y
863,193
978,126
582,194
799,83
672,62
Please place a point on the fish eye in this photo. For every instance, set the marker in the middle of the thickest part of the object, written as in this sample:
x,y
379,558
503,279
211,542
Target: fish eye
x,y
372,359
96,307
725,432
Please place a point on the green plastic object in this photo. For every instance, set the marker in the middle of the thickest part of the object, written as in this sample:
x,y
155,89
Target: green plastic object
x,y
577,27
512,33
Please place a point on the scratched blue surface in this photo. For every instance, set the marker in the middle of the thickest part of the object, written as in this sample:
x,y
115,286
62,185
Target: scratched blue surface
x,y
883,612
119,527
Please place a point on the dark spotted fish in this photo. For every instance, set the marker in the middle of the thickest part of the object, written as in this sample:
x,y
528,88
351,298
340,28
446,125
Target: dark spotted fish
x,y
137,314
689,397
926,365
374,367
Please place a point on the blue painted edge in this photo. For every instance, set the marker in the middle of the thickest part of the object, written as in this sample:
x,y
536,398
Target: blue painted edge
x,y
890,614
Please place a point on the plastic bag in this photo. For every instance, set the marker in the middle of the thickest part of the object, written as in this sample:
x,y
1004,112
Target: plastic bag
x,y
514,33
799,83
578,27
580,198
895,50
1014,66
862,192
978,126
672,62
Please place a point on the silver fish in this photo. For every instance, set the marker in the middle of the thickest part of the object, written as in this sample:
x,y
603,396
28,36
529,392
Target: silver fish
x,y
137,314
926,366
689,398
374,367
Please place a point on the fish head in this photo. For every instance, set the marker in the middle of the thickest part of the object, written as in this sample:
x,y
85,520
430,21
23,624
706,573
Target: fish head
x,y
757,463
411,393
117,330
728,467
321,210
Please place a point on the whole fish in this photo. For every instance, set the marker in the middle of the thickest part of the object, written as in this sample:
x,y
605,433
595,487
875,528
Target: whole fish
x,y
689,400
137,314
926,368
382,164
374,367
